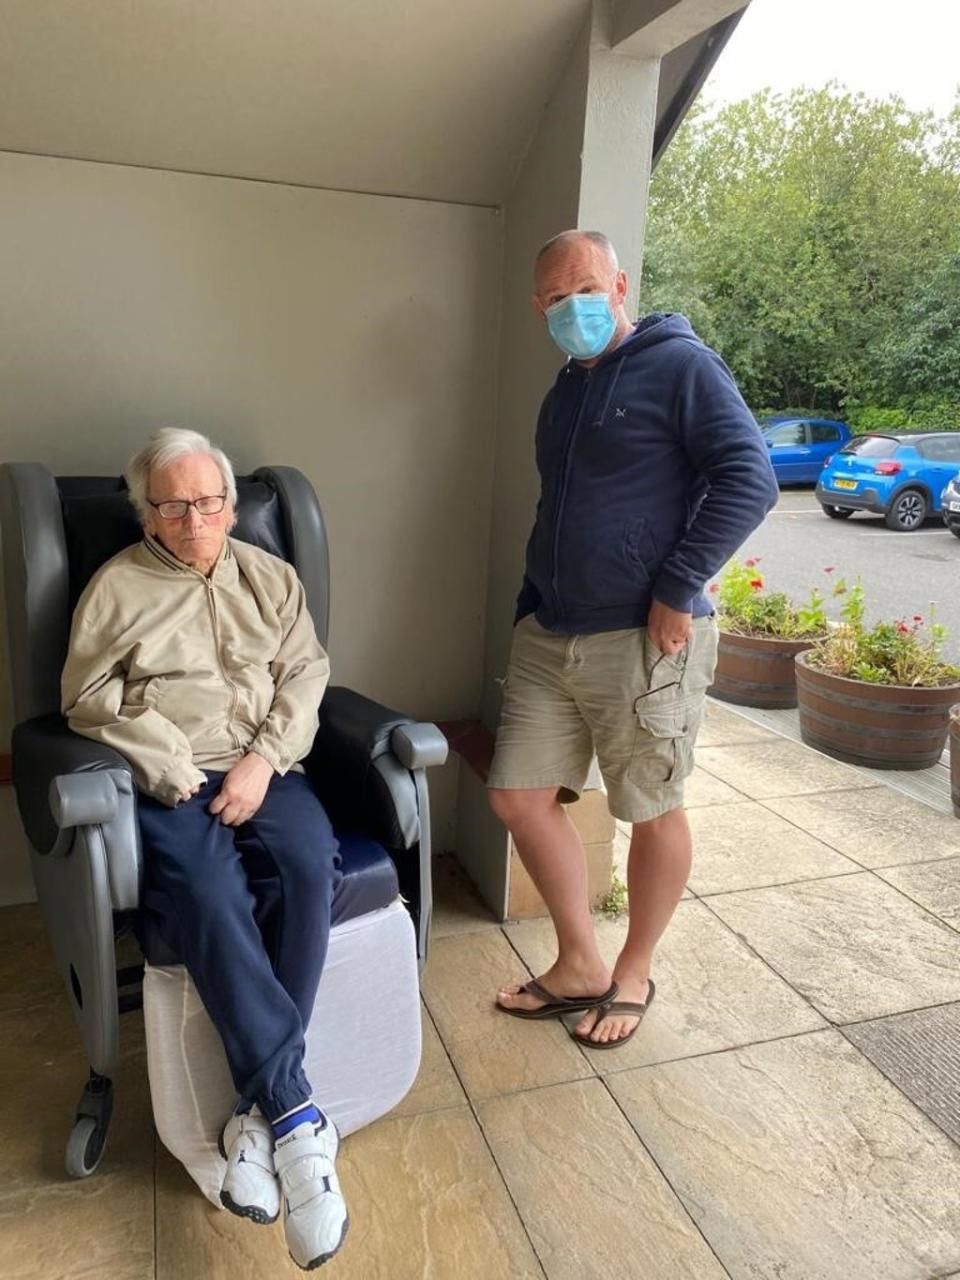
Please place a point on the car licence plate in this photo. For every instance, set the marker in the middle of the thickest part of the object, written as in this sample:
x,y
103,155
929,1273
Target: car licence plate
x,y
844,484
953,506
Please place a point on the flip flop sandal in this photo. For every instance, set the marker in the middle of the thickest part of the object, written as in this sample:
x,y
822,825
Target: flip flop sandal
x,y
556,1006
617,1006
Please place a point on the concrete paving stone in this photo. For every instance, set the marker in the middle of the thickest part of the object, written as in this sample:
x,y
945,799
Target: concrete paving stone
x,y
436,1085
702,788
593,1201
424,1196
745,846
934,885
780,768
28,976
52,1225
875,826
712,992
919,1052
493,1052
853,945
799,1161
723,727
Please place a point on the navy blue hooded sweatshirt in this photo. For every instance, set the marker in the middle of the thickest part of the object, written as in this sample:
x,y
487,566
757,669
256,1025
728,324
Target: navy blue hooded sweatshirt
x,y
653,472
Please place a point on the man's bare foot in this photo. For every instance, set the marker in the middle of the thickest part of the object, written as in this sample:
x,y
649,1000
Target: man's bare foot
x,y
615,1025
562,980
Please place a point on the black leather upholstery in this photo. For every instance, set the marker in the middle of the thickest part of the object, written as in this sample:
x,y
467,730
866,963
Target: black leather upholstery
x,y
354,732
98,522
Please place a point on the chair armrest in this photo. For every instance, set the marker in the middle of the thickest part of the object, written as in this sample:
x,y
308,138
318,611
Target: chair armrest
x,y
64,782
361,766
355,726
43,749
419,746
83,799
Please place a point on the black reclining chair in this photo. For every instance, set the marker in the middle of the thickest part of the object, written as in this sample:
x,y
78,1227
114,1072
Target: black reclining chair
x,y
77,799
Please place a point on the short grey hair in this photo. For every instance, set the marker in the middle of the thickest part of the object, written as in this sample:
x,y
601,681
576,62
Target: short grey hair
x,y
164,447
566,239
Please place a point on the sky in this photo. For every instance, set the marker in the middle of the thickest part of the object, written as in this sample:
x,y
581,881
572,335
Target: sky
x,y
876,46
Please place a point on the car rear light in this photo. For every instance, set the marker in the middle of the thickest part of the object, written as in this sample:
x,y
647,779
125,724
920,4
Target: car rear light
x,y
887,468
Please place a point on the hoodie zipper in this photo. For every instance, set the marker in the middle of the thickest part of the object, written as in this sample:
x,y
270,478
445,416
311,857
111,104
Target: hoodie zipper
x,y
561,495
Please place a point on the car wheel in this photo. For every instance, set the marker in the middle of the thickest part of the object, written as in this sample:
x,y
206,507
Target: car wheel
x,y
954,529
907,512
838,513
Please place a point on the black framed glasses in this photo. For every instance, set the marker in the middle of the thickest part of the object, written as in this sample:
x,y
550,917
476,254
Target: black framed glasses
x,y
177,508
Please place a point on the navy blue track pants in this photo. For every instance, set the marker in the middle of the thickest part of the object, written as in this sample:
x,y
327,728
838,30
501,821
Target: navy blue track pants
x,y
257,984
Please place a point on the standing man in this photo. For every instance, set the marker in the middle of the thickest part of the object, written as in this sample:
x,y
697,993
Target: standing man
x,y
653,472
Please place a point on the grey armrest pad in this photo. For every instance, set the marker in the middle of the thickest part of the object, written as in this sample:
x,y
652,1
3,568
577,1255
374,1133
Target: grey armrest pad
x,y
45,749
82,799
419,746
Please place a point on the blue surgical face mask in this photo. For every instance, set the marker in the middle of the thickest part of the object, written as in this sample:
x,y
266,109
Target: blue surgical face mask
x,y
582,324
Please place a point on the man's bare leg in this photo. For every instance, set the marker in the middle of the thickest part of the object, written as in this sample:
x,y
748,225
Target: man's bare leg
x,y
552,852
658,867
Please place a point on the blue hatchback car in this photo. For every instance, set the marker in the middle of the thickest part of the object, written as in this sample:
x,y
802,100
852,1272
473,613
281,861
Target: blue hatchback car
x,y
799,447
899,475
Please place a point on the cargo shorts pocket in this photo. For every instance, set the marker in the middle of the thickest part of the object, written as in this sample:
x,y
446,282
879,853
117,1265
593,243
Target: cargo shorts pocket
x,y
665,723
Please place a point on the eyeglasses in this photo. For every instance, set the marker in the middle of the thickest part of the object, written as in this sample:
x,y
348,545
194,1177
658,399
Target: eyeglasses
x,y
178,508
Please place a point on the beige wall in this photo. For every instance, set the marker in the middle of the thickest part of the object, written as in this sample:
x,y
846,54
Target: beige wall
x,y
352,336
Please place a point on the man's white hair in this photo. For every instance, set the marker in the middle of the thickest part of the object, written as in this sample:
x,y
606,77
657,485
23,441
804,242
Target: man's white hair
x,y
166,446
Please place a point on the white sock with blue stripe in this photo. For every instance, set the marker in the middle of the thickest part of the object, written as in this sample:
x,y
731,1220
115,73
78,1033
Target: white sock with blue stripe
x,y
306,1113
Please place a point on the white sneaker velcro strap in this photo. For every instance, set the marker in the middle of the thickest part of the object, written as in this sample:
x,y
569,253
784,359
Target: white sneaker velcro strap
x,y
314,1189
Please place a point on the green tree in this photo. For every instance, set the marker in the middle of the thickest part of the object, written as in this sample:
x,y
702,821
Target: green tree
x,y
813,238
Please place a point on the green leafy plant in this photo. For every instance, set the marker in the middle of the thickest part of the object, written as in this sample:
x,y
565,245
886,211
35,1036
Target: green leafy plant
x,y
748,609
902,652
615,903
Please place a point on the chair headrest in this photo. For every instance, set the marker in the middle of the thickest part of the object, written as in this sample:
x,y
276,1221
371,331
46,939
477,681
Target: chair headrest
x,y
99,522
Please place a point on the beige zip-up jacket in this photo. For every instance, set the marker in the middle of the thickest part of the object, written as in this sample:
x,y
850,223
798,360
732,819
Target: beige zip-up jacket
x,y
181,672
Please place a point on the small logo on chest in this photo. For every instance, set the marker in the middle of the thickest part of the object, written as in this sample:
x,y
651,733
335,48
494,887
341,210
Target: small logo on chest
x,y
621,413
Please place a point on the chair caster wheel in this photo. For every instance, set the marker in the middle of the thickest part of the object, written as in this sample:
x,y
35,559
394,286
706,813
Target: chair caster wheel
x,y
84,1147
88,1136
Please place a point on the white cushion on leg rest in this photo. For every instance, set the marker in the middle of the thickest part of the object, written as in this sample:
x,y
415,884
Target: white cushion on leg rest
x,y
362,1053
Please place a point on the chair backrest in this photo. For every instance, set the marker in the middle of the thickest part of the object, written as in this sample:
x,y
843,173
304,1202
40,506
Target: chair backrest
x,y
57,531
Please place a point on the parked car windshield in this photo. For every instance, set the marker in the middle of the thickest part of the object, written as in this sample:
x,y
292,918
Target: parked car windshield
x,y
872,447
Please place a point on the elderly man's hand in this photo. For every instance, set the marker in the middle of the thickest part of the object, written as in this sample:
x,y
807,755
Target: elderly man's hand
x,y
667,628
242,791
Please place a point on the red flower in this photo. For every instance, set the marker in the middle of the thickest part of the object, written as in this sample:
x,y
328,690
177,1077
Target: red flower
x,y
714,588
918,617
751,564
756,583
903,629
830,568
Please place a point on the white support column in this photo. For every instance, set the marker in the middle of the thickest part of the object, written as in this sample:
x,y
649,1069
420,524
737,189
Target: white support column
x,y
620,120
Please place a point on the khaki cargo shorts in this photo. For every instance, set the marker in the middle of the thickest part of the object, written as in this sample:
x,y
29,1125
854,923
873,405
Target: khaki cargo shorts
x,y
614,694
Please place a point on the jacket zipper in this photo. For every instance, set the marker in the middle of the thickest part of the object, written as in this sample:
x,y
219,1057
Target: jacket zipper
x,y
235,697
564,480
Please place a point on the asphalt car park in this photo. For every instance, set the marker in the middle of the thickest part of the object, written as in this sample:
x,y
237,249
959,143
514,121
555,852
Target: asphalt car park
x,y
902,573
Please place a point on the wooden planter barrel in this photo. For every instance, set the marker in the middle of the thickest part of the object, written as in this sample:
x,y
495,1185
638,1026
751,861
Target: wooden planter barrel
x,y
879,726
757,672
955,760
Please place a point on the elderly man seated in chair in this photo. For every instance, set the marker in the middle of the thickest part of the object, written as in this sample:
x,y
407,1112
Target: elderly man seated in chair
x,y
194,655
